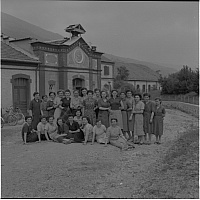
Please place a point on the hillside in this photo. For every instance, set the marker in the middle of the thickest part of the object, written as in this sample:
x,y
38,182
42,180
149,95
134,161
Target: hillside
x,y
17,28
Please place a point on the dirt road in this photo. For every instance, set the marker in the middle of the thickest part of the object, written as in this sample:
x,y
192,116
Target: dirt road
x,y
53,170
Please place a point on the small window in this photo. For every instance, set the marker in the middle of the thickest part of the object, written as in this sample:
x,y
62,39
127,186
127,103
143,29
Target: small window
x,y
149,88
106,70
143,88
138,87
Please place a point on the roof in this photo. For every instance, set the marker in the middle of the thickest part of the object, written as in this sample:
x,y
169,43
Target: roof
x,y
20,39
12,53
76,28
104,59
59,42
137,72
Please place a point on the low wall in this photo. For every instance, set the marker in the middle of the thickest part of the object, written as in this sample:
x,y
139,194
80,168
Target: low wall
x,y
185,107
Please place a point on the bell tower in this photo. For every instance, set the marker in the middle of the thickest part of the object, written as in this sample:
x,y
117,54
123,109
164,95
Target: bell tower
x,y
75,30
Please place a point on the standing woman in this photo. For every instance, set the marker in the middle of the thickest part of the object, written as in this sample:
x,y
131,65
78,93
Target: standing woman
x,y
89,106
84,93
57,102
50,104
43,105
116,106
76,102
65,105
97,96
130,106
158,120
124,113
34,110
104,108
138,112
149,109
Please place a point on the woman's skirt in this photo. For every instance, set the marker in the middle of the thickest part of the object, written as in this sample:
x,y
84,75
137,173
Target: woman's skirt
x,y
125,120
130,122
158,125
57,114
101,138
91,115
31,137
120,143
118,115
148,127
138,126
103,115
78,137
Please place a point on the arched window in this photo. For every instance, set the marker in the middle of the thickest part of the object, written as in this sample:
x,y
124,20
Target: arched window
x,y
143,88
106,70
149,88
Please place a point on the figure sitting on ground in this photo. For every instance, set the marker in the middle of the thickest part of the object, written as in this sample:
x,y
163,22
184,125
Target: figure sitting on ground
x,y
99,133
87,130
28,133
116,137
42,135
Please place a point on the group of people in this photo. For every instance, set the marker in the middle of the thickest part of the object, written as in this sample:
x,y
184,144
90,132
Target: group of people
x,y
92,116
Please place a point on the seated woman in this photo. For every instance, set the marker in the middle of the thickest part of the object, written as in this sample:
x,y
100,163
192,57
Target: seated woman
x,y
74,129
28,133
78,117
99,133
87,130
116,137
42,135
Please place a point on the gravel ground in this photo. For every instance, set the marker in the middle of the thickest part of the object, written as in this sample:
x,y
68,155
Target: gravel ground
x,y
53,170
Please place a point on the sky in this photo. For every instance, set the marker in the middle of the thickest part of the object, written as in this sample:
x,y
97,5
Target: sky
x,y
158,32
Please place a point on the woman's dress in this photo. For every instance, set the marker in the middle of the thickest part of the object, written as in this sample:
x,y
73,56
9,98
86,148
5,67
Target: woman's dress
x,y
43,108
74,126
52,130
50,103
103,115
88,130
89,105
114,136
158,121
57,112
31,136
66,111
148,109
124,115
62,132
130,104
100,133
138,126
115,111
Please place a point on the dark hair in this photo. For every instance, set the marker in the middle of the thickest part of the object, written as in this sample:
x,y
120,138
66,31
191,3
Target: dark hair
x,y
90,91
129,91
113,119
146,94
88,119
98,120
27,117
70,115
35,93
44,96
138,95
67,90
50,117
95,90
42,117
51,93
59,91
105,92
58,120
79,111
82,90
123,93
113,91
158,99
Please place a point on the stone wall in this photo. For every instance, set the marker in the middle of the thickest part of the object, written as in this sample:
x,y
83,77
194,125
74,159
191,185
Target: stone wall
x,y
185,107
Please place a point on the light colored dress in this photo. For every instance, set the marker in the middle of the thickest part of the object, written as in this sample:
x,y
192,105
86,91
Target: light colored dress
x,y
130,104
57,113
88,130
89,105
41,127
52,130
158,121
79,120
100,133
138,126
114,136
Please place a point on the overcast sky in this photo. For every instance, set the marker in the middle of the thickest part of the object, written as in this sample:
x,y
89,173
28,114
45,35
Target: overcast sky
x,y
165,32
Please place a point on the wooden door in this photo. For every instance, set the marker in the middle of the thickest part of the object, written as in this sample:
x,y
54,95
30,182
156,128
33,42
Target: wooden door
x,y
20,94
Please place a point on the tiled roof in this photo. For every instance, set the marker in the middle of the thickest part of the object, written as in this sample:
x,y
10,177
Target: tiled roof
x,y
137,72
104,59
9,52
59,42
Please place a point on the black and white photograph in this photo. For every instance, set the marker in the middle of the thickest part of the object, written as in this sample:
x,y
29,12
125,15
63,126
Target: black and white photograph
x,y
99,99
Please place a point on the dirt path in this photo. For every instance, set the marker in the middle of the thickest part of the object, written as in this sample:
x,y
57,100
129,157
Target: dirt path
x,y
50,169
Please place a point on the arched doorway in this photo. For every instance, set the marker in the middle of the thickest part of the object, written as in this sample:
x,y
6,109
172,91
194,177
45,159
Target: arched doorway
x,y
21,91
78,83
